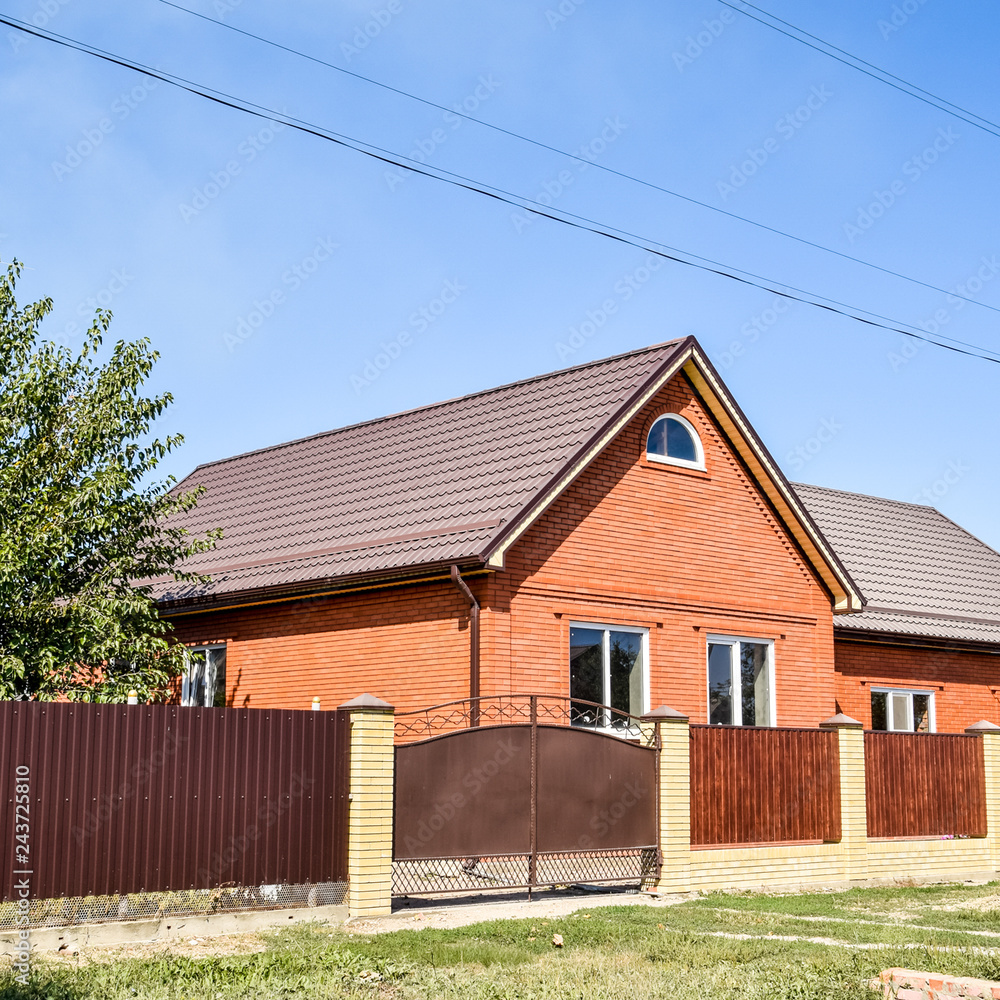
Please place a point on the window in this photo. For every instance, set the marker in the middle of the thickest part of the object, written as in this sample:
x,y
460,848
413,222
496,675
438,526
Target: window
x,y
903,711
204,683
674,441
607,665
740,681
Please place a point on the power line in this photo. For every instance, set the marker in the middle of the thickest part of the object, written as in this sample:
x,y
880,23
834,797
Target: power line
x,y
506,197
886,77
573,156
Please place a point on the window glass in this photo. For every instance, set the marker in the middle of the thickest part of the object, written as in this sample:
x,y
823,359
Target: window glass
x,y
656,443
755,678
901,711
879,717
720,671
626,672
586,670
218,689
680,444
921,713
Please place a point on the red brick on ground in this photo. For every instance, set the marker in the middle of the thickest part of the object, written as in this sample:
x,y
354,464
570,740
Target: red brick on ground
x,y
908,984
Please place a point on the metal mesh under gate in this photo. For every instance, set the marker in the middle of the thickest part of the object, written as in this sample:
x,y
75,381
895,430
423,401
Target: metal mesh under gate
x,y
69,911
513,871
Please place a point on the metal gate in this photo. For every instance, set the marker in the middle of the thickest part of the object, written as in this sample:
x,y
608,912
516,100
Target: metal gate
x,y
542,791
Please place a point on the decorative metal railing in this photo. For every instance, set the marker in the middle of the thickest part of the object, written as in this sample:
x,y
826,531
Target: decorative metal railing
x,y
521,709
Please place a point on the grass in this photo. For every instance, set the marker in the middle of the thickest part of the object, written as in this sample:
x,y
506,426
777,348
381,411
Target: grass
x,y
751,946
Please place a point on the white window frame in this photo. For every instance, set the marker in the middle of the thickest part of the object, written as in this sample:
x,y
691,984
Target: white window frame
x,y
190,681
608,628
890,711
683,463
734,677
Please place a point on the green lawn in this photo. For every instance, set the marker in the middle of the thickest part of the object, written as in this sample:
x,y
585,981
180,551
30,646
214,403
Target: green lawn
x,y
823,945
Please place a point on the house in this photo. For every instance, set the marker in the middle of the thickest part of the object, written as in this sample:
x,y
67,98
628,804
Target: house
x,y
614,532
925,653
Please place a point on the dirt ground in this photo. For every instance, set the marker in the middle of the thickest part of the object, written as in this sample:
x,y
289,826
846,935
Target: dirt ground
x,y
408,914
414,913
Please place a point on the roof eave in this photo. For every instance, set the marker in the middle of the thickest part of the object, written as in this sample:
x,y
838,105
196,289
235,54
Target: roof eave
x,y
887,637
325,587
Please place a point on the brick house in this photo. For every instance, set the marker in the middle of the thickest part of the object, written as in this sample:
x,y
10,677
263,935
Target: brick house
x,y
614,532
925,652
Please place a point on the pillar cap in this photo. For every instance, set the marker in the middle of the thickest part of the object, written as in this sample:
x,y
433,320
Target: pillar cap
x,y
982,726
664,714
841,721
367,701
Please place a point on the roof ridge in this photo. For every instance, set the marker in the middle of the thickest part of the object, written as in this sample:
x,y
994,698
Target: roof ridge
x,y
866,496
431,406
965,531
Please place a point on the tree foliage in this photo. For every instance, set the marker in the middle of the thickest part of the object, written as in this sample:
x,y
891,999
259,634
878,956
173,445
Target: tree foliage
x,y
82,518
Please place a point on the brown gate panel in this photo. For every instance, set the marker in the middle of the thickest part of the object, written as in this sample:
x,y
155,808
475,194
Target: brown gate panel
x,y
595,792
464,794
109,799
522,790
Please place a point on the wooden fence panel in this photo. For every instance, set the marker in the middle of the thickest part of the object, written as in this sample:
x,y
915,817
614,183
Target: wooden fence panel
x,y
114,799
925,785
762,785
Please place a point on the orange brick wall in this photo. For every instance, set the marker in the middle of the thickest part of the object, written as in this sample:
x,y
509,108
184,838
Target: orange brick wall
x,y
679,551
407,645
963,682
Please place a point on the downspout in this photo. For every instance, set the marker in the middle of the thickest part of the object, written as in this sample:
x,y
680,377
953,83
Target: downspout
x,y
456,578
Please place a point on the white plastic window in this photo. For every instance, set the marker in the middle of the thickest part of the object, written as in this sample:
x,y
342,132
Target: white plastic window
x,y
903,711
607,666
204,684
740,681
673,440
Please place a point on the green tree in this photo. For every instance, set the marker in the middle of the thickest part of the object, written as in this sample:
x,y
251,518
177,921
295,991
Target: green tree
x,y
81,516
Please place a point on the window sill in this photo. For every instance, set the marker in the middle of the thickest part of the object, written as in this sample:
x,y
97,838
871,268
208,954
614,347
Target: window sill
x,y
684,470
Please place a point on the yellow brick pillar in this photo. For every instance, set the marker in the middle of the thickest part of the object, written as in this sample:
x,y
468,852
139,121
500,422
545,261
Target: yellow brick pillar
x,y
369,843
990,734
675,798
853,810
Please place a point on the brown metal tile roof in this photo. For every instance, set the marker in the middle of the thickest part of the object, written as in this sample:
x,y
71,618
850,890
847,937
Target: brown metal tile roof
x,y
428,486
921,574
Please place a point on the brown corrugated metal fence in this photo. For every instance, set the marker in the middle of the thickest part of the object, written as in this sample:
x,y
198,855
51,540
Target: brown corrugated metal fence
x,y
925,785
758,786
147,798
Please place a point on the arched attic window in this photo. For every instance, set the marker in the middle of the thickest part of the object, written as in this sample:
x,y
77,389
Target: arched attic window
x,y
673,440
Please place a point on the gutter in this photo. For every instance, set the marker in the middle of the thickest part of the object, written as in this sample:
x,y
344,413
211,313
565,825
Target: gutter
x,y
456,578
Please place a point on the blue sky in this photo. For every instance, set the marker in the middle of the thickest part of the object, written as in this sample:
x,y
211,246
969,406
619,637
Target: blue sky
x,y
277,272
